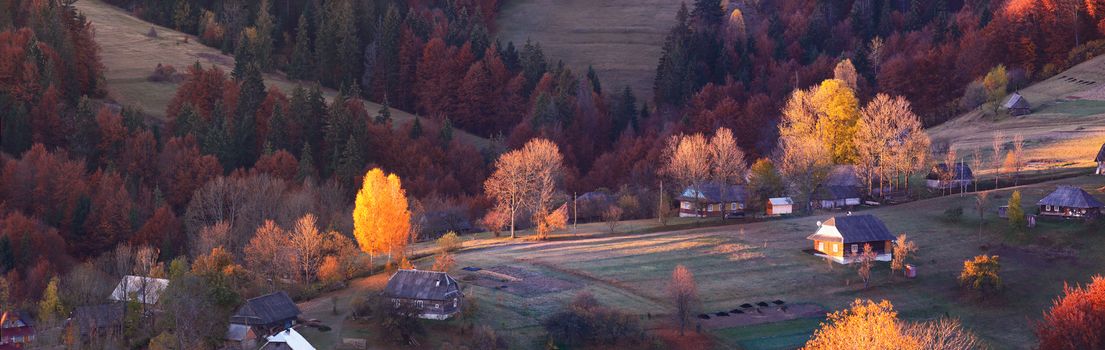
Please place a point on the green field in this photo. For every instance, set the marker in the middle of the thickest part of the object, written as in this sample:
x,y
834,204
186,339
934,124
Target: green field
x,y
755,261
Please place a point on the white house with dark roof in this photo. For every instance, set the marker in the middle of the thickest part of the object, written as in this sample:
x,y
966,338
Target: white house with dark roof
x,y
435,295
841,238
1069,202
712,200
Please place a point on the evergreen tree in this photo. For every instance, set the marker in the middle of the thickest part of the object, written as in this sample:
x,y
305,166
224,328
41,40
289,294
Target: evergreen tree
x,y
278,130
216,141
187,122
625,112
446,134
673,73
707,15
387,51
306,168
302,61
86,132
15,137
263,47
533,64
244,53
593,77
384,115
7,257
510,57
185,17
351,162
416,128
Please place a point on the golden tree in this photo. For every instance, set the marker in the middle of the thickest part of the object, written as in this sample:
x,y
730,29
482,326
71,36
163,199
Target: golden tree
x,y
981,274
838,112
381,220
903,248
866,325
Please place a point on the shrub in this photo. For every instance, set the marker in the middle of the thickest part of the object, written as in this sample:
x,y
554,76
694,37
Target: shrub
x,y
981,274
164,73
484,337
612,216
449,242
330,271
586,322
974,96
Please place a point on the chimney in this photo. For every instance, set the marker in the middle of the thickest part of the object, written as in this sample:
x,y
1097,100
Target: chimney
x,y
818,223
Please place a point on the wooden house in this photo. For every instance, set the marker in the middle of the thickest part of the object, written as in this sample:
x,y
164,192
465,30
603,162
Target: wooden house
x,y
835,197
434,295
842,238
1017,105
712,200
267,314
145,290
16,330
96,321
779,206
1100,159
1069,202
240,337
942,177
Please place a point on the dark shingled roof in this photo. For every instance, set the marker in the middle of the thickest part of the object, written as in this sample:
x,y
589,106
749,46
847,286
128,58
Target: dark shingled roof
x,y
1070,197
833,192
962,172
91,318
717,193
421,285
1016,101
1100,154
266,309
856,229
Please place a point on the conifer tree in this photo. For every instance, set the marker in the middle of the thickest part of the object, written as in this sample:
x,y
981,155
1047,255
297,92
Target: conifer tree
x,y
306,168
385,112
302,61
278,129
416,128
446,134
263,47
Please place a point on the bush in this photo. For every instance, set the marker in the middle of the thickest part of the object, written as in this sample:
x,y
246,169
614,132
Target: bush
x,y
981,274
449,242
612,216
953,214
586,322
164,73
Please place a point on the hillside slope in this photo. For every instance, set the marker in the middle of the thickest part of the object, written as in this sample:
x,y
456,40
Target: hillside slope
x,y
129,56
622,39
1066,127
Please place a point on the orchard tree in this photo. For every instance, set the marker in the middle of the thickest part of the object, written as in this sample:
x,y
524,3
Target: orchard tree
x,y
381,220
684,296
267,252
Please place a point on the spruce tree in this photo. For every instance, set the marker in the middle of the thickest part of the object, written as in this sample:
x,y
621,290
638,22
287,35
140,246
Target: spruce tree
x,y
387,50
446,134
302,65
278,130
384,115
15,137
416,128
593,77
306,168
351,162
263,47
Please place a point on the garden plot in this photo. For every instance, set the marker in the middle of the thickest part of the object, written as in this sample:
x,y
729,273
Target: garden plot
x,y
518,281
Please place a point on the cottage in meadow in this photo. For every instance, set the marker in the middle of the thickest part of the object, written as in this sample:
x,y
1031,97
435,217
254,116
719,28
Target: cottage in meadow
x,y
266,314
432,294
712,200
841,238
1017,105
1069,202
942,177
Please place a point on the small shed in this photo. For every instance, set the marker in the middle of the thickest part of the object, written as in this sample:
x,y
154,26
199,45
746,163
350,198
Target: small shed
x,y
1017,105
145,290
1069,202
780,206
435,295
841,238
1100,159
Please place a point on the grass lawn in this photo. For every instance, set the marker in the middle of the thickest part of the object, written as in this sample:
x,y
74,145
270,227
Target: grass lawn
x,y
763,261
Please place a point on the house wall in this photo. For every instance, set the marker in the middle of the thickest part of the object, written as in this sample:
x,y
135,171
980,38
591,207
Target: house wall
x,y
779,209
1100,168
687,209
826,247
1068,212
432,309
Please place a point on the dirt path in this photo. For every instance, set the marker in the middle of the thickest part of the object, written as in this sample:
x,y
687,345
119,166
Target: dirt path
x,y
129,55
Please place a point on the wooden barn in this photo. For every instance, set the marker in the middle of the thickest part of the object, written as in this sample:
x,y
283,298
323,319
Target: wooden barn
x,y
835,197
1017,105
841,238
1069,202
433,294
960,177
267,314
779,206
712,200
1100,159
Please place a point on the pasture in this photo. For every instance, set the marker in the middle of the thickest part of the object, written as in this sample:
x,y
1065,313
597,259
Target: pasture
x,y
129,56
621,39
763,261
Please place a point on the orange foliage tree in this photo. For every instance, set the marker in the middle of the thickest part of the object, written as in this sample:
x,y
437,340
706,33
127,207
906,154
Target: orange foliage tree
x,y
1076,320
684,295
381,220
866,325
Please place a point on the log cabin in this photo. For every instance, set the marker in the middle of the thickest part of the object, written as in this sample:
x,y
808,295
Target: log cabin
x,y
1069,202
1017,105
432,294
841,238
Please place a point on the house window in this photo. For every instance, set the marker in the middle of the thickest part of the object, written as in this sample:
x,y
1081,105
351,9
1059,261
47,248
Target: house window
x,y
454,302
733,206
835,248
686,205
420,304
855,249
437,306
821,246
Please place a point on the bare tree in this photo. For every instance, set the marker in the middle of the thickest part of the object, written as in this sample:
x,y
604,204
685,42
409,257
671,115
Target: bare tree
x,y
526,179
890,140
980,206
612,215
684,296
266,251
943,334
687,162
846,72
1018,157
727,163
306,240
866,261
976,164
903,248
947,175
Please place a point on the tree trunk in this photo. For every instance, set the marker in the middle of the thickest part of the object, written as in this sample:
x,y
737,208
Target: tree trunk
x,y
512,223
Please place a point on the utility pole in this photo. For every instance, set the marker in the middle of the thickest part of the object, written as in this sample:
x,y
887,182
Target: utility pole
x,y
575,211
660,208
